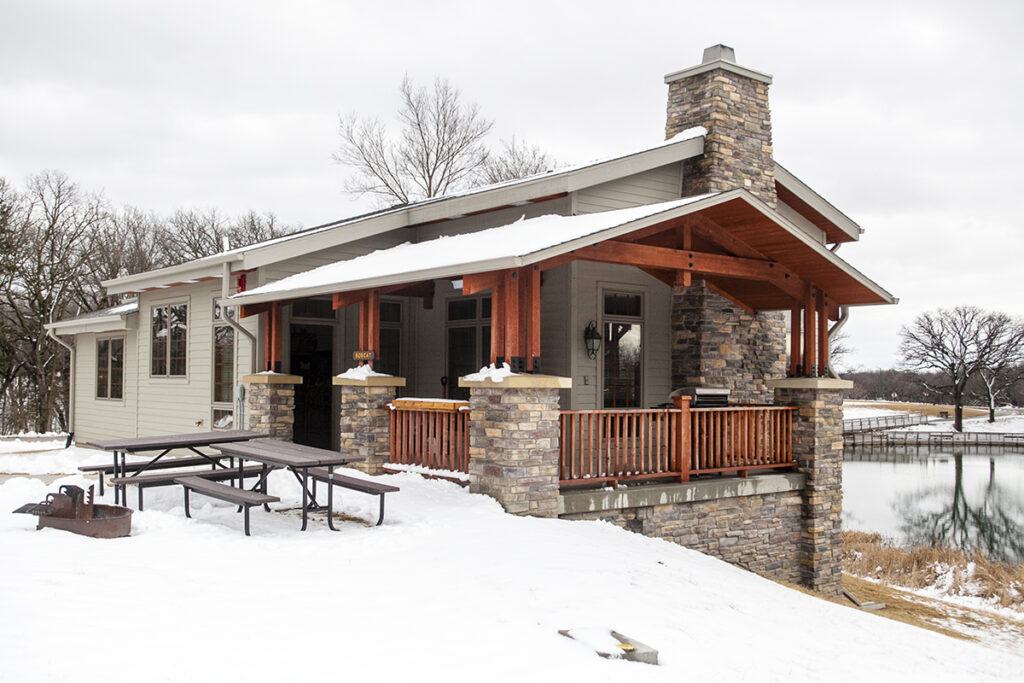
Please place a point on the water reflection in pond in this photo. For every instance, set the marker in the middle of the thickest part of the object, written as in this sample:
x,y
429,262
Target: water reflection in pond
x,y
966,499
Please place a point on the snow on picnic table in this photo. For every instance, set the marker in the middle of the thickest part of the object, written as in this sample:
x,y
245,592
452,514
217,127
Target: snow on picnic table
x,y
449,584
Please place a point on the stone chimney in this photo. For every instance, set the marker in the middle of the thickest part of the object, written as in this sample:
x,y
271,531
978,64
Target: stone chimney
x,y
731,102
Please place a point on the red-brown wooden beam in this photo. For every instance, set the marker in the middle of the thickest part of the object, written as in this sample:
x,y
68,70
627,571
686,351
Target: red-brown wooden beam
x,y
533,316
513,339
497,313
642,255
479,282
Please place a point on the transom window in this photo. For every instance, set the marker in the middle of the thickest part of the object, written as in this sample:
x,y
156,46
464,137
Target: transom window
x,y
169,342
110,368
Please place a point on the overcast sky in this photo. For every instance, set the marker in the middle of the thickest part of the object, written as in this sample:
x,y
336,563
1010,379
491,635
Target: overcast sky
x,y
905,115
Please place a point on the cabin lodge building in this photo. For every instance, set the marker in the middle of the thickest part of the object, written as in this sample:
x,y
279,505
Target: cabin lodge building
x,y
664,316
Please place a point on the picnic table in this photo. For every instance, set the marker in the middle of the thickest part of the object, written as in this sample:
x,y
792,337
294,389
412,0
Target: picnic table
x,y
165,444
296,458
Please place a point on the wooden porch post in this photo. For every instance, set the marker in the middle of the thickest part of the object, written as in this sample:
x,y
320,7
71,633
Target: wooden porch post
x,y
684,449
513,340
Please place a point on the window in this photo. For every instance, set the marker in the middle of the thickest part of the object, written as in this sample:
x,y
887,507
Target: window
x,y
169,340
223,377
110,368
319,309
622,325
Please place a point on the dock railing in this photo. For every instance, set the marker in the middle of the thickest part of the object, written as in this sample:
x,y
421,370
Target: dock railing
x,y
611,446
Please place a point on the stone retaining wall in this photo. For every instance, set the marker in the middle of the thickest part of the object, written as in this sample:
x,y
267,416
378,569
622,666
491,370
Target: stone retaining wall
x,y
754,523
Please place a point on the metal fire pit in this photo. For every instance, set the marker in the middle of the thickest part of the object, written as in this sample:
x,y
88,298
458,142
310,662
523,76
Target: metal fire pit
x,y
73,510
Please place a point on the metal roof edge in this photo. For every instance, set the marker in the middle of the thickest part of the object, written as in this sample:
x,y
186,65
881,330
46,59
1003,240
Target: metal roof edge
x,y
806,193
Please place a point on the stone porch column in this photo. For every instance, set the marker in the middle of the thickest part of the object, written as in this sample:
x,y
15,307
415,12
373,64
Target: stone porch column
x,y
365,420
271,401
818,450
514,436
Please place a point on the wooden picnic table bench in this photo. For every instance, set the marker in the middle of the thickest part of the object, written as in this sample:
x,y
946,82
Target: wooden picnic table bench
x,y
224,492
297,458
169,463
145,481
333,479
165,444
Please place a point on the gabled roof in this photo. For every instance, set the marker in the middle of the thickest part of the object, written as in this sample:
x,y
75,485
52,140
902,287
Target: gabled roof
x,y
525,242
685,145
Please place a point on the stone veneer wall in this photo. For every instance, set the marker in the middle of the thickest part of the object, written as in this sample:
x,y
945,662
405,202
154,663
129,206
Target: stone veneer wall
x,y
760,532
271,408
365,425
818,450
514,437
738,147
717,344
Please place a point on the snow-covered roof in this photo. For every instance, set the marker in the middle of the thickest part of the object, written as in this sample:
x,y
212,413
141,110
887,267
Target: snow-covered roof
x,y
111,318
686,144
518,244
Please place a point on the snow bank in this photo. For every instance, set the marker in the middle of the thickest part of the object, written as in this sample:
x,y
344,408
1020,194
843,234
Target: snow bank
x,y
448,584
361,372
489,372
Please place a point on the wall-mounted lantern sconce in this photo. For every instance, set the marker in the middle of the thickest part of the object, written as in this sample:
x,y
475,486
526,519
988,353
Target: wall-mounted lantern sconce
x,y
592,339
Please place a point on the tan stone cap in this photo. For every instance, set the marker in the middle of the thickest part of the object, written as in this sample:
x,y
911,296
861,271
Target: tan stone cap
x,y
275,378
371,381
521,382
810,383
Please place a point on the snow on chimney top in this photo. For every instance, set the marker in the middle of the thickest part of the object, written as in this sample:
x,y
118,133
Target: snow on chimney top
x,y
718,57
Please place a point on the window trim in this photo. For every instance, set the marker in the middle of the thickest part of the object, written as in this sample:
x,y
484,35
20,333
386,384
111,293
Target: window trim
x,y
96,376
167,303
214,404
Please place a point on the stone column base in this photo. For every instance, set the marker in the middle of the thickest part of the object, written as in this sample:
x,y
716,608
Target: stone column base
x,y
365,420
514,437
818,450
271,402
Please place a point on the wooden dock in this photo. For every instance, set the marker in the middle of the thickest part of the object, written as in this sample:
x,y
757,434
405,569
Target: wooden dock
x,y
932,439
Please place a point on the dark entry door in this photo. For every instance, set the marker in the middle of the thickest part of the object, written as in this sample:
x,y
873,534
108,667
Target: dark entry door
x,y
311,358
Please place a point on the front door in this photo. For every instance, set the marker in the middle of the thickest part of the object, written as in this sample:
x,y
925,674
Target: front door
x,y
311,358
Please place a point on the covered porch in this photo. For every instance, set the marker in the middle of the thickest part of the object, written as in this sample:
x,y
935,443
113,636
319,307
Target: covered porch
x,y
726,245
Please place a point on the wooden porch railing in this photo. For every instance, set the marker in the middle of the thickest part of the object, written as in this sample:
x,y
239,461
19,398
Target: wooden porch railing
x,y
430,433
741,438
624,445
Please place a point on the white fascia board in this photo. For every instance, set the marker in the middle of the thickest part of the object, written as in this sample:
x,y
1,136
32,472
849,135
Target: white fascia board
x,y
110,323
211,266
817,202
558,183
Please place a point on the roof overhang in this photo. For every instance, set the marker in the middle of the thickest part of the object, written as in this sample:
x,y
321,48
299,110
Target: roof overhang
x,y
736,212
98,322
837,226
685,145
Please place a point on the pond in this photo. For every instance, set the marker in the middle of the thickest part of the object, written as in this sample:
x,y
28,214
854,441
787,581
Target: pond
x,y
965,498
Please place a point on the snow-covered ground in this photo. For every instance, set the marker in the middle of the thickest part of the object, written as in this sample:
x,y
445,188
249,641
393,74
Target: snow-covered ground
x,y
1005,424
449,587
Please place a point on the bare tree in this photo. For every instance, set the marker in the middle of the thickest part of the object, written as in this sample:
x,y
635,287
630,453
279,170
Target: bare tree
x,y
959,343
194,233
517,159
998,379
838,348
439,147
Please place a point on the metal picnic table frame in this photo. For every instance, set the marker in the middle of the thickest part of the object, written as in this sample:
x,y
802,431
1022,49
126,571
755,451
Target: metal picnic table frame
x,y
165,444
296,458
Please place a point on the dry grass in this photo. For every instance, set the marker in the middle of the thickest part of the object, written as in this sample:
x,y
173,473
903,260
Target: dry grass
x,y
871,556
921,408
